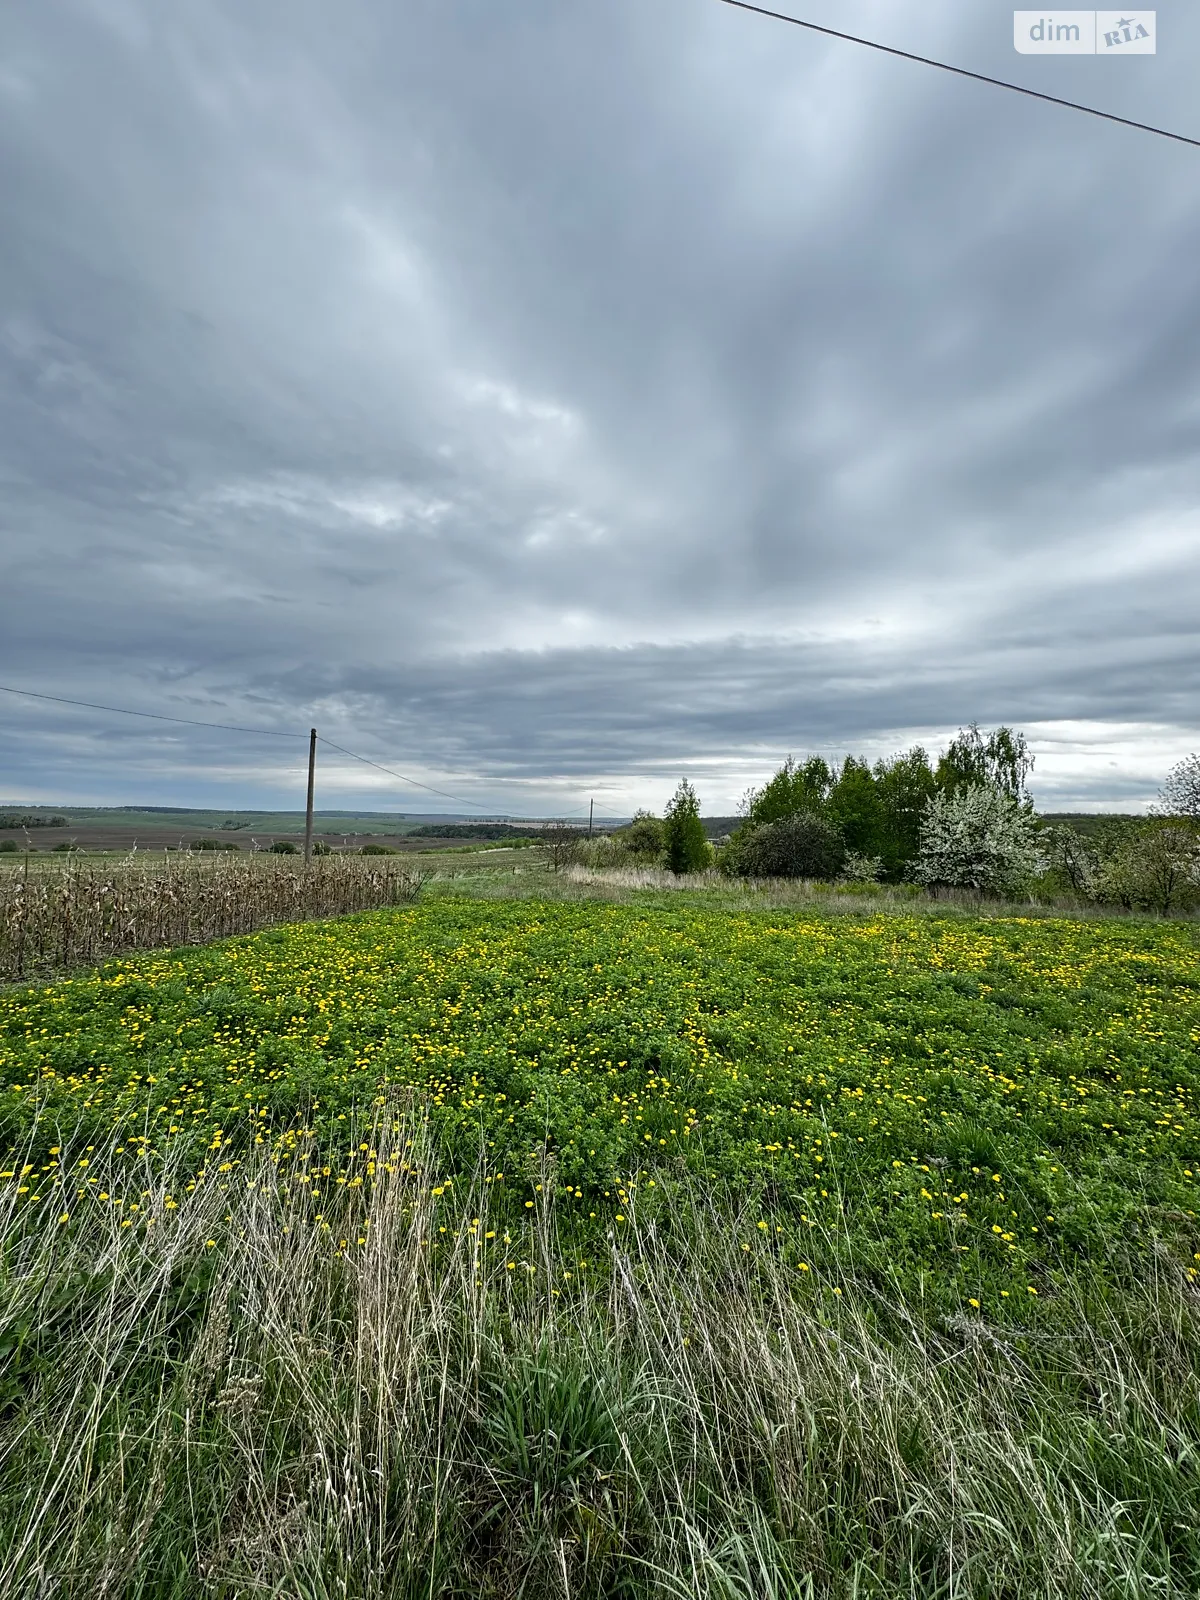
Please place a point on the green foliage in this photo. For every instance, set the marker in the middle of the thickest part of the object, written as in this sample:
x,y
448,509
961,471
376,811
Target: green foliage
x,y
877,811
856,808
802,845
1000,761
377,850
30,819
936,1091
320,848
644,839
284,847
66,848
8,846
792,789
215,844
904,784
685,842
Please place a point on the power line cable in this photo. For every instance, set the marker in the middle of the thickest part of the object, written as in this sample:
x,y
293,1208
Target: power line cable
x,y
321,739
156,716
272,733
962,72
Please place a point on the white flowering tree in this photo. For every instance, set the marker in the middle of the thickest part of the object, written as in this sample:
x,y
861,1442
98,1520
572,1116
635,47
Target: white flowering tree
x,y
978,838
1180,794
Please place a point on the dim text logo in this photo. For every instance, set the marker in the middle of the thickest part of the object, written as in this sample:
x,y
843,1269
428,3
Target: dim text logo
x,y
1084,33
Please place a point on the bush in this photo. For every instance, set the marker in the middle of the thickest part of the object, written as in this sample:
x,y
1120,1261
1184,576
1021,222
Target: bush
x,y
65,847
377,850
215,844
320,848
606,850
8,846
685,842
804,845
283,847
643,839
861,869
978,838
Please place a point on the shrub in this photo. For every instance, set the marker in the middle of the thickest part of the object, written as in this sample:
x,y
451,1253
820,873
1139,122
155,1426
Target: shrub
x,y
375,850
606,850
65,847
320,848
861,869
643,839
978,838
283,847
801,846
685,842
215,844
9,845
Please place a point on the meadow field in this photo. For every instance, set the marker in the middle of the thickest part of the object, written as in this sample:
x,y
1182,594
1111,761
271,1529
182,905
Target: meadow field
x,y
648,1246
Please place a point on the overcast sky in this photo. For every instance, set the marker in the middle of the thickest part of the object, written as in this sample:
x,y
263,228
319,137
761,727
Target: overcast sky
x,y
550,398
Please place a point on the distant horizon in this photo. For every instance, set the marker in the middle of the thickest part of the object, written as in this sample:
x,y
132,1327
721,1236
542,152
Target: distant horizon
x,y
421,816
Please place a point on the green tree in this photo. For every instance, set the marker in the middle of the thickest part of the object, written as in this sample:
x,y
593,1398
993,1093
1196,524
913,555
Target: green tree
x,y
684,840
792,789
856,808
904,785
999,761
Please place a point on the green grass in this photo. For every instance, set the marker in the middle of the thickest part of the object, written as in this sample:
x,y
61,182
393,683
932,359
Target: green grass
x,y
499,1246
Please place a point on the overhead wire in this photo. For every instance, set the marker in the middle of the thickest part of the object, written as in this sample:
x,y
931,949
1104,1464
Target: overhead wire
x,y
272,733
321,739
962,72
156,716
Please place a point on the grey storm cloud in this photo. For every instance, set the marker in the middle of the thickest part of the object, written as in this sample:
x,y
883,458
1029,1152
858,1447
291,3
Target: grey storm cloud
x,y
551,399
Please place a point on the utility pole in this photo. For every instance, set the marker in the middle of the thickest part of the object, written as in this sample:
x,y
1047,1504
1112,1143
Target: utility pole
x,y
591,808
312,775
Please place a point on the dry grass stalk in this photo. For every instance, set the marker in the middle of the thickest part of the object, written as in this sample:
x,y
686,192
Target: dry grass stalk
x,y
53,921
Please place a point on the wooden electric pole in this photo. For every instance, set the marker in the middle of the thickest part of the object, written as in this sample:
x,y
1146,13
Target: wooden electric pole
x,y
312,775
591,808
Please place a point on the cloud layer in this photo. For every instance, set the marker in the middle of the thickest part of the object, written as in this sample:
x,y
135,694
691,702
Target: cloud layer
x,y
550,400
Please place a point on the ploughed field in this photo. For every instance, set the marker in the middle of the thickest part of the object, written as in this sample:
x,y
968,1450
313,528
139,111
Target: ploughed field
x,y
971,1111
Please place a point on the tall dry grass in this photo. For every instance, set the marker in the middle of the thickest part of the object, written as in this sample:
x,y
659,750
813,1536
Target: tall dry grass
x,y
231,1402
74,914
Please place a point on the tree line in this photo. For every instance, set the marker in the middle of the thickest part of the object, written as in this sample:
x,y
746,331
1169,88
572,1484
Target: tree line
x,y
965,821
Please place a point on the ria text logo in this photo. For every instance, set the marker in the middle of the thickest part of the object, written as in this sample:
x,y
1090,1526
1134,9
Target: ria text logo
x,y
1084,33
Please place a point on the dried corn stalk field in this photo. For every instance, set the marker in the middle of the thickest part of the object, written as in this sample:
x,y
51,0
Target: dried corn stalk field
x,y
55,919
